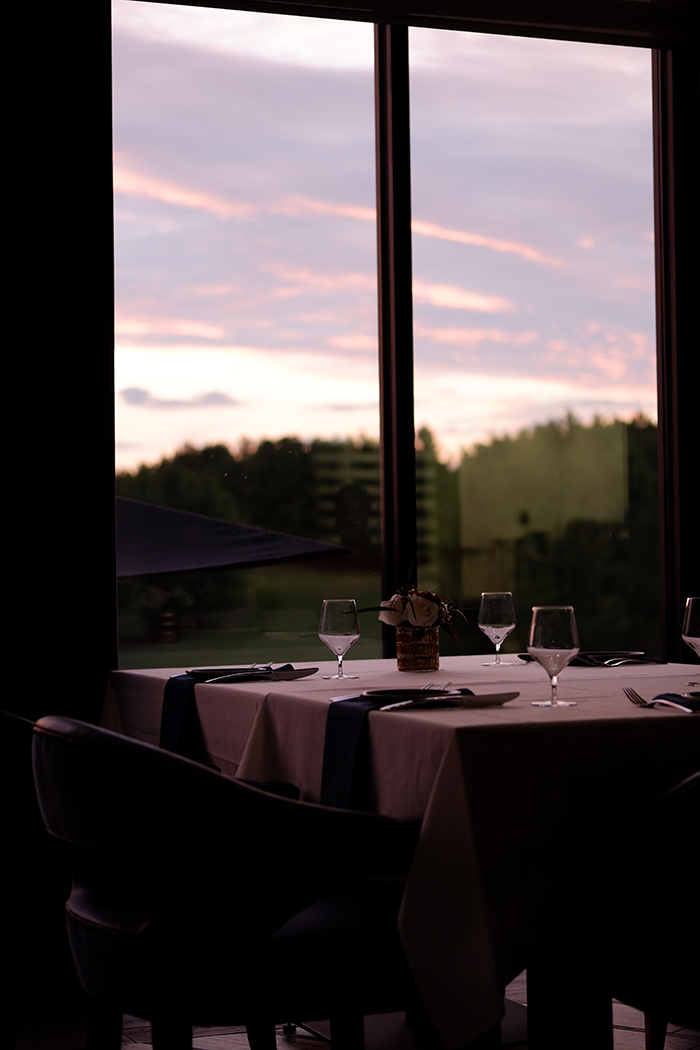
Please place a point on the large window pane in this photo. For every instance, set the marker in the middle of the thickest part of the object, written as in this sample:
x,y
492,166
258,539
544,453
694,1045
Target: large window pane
x,y
534,328
246,363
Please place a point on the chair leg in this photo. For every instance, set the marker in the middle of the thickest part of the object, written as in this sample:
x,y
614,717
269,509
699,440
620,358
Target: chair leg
x,y
104,1027
261,1035
654,1031
171,1033
565,996
347,1031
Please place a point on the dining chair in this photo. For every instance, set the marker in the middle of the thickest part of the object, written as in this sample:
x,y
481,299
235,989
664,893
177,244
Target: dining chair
x,y
653,953
631,929
41,981
186,909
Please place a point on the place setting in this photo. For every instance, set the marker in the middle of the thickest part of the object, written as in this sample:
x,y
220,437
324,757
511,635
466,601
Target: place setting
x,y
419,614
687,702
427,698
180,726
250,673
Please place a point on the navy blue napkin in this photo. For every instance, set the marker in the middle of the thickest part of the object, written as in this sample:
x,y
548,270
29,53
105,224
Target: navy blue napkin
x,y
690,702
181,730
345,781
180,727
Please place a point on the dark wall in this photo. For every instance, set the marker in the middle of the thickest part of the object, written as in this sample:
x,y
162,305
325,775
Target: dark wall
x,y
61,593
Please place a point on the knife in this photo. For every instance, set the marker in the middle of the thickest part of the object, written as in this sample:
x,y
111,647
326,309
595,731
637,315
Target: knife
x,y
454,699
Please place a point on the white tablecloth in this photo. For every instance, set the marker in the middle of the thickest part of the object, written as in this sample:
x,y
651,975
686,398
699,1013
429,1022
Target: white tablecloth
x,y
497,787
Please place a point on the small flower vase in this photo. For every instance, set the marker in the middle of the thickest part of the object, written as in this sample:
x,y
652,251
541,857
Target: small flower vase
x,y
417,648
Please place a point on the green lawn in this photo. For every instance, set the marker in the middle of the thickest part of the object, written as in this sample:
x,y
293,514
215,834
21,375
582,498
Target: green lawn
x,y
266,614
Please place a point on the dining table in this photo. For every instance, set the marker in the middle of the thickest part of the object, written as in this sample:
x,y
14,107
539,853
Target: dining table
x,y
506,792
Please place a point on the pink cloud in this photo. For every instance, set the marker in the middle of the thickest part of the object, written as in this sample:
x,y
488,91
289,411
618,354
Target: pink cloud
x,y
474,336
304,282
429,229
307,206
640,284
608,353
612,365
134,184
459,298
356,341
136,327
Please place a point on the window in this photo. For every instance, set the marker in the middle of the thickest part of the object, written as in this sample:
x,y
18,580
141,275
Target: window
x,y
246,317
533,299
423,289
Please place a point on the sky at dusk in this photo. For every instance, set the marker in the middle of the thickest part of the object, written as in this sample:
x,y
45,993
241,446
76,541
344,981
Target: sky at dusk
x,y
246,247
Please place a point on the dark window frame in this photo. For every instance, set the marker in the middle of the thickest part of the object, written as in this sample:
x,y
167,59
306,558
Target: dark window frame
x,y
666,27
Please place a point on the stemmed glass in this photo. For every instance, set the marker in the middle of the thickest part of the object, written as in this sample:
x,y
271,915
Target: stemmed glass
x,y
496,620
690,631
691,624
554,644
339,627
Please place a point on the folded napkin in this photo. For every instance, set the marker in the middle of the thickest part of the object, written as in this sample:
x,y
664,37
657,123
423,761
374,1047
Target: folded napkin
x,y
618,658
346,779
180,728
256,672
690,703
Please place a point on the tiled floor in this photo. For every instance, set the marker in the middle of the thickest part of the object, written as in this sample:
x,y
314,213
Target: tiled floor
x,y
388,1032
385,1032
628,1025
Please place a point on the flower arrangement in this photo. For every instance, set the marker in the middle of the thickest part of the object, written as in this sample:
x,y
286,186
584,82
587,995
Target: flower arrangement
x,y
412,608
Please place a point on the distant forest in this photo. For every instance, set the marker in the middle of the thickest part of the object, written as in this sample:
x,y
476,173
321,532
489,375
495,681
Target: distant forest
x,y
608,568
270,485
274,484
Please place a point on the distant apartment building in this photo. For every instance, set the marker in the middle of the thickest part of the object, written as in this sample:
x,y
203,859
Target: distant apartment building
x,y
347,498
504,499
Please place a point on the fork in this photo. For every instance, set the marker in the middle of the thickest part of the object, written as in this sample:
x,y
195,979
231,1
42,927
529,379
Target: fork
x,y
639,701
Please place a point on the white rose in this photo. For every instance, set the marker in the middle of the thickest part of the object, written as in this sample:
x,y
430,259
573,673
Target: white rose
x,y
421,612
394,611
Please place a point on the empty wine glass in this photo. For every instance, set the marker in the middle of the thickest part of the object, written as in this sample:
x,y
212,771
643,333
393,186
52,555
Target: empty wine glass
x,y
554,644
691,624
339,627
496,620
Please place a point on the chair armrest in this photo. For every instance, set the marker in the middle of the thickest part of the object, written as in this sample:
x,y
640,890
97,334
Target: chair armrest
x,y
88,906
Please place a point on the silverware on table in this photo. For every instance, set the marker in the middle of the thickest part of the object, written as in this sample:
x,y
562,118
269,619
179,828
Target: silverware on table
x,y
455,699
639,701
287,673
369,692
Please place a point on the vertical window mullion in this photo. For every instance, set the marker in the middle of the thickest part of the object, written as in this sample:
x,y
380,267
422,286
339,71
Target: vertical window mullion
x,y
675,191
397,427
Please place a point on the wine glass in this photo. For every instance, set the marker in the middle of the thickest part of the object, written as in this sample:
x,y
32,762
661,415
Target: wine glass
x,y
339,627
554,644
691,624
496,620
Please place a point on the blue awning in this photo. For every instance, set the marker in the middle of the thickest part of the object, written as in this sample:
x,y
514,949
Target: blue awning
x,y
152,539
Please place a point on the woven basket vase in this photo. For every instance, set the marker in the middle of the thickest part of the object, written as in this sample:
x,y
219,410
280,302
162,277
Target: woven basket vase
x,y
417,648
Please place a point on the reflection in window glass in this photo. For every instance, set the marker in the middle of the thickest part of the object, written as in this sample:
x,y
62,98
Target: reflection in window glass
x,y
534,328
246,360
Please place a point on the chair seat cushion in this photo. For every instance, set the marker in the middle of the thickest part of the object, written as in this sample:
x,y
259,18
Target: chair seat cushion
x,y
343,947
